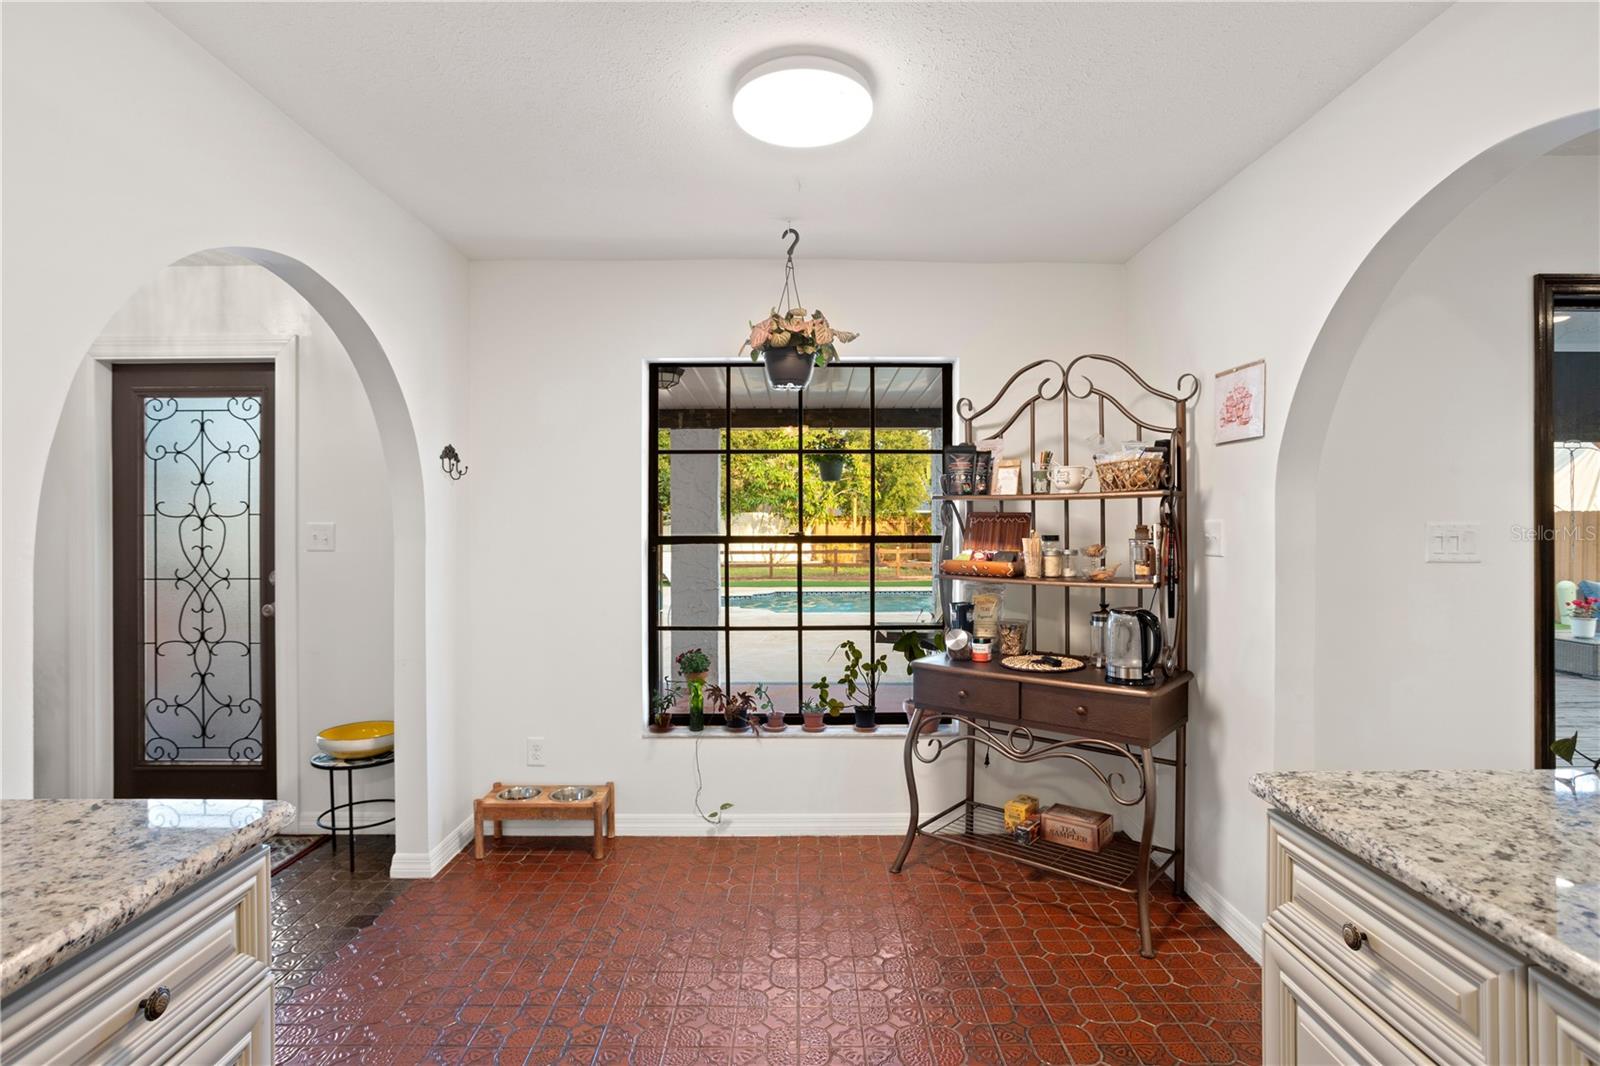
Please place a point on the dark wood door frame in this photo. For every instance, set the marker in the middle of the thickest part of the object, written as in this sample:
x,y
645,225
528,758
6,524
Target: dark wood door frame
x,y
1547,290
133,776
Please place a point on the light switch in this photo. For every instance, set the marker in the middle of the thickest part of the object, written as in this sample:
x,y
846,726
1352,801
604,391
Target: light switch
x,y
319,536
1452,542
1213,536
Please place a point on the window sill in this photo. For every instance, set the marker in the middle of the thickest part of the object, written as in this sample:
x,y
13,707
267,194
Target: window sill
x,y
894,732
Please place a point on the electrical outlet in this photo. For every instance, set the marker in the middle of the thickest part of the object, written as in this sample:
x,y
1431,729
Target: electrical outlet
x,y
536,751
1452,542
320,536
1213,533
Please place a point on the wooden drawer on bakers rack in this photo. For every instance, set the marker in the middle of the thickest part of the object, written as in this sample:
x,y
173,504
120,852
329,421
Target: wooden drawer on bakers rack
x,y
982,696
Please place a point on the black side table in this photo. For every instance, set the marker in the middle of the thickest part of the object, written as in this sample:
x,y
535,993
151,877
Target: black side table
x,y
329,819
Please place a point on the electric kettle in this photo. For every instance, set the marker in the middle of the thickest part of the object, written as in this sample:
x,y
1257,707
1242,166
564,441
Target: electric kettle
x,y
1132,646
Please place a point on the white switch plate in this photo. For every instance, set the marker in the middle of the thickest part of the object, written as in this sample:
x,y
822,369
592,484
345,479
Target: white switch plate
x,y
536,751
1213,536
1452,542
319,536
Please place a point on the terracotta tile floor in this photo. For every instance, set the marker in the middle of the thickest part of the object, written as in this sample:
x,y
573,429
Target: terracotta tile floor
x,y
768,950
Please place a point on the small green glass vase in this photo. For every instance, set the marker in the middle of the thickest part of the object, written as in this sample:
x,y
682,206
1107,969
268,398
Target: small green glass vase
x,y
697,706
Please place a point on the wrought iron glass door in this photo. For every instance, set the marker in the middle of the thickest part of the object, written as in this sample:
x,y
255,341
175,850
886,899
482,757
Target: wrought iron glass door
x,y
192,477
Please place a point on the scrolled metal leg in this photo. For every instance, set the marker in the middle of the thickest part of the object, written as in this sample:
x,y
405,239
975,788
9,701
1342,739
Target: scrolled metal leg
x,y
912,730
1179,844
1147,763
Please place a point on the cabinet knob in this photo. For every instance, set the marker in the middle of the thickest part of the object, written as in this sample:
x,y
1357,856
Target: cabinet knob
x,y
1082,710
961,693
1354,937
155,1004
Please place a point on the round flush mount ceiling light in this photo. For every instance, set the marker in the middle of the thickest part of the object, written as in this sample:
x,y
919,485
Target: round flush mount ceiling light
x,y
802,102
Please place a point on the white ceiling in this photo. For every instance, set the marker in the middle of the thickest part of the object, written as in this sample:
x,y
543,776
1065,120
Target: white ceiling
x,y
1002,132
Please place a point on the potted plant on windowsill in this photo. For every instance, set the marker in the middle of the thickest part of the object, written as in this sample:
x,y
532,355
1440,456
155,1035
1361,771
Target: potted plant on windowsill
x,y
860,678
813,710
694,665
1584,610
661,708
763,700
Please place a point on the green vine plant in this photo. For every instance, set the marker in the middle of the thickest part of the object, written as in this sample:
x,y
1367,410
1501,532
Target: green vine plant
x,y
747,704
861,673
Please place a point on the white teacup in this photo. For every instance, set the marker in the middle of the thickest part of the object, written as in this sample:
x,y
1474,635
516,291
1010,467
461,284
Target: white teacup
x,y
1068,478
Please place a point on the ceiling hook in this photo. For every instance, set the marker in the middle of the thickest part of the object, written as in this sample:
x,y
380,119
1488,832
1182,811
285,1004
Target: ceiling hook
x,y
792,243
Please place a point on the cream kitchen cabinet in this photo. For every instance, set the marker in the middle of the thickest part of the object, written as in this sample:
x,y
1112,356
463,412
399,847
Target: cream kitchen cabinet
x,y
1358,969
190,982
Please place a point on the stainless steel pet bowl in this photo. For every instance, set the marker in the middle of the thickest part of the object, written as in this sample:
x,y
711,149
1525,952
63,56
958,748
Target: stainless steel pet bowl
x,y
572,794
518,792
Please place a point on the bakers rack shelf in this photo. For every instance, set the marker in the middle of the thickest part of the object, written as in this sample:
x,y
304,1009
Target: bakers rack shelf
x,y
1069,717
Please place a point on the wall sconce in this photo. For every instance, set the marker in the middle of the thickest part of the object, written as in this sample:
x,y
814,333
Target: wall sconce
x,y
668,376
450,463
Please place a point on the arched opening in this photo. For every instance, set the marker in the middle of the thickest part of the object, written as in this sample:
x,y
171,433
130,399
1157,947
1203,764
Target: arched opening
x,y
1298,613
347,442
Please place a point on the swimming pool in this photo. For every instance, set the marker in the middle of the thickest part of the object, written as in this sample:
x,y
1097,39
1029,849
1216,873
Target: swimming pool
x,y
837,601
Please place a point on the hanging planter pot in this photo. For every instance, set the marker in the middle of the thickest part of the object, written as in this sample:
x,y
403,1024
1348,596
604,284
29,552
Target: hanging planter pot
x,y
787,369
792,341
830,467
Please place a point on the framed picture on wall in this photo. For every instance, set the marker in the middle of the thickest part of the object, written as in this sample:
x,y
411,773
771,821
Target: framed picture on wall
x,y
1241,403
1007,477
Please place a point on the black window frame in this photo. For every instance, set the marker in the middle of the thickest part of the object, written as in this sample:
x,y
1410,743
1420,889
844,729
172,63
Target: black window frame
x,y
657,670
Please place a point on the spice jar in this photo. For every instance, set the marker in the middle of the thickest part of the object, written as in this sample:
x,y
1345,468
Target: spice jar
x,y
1142,554
981,650
1072,563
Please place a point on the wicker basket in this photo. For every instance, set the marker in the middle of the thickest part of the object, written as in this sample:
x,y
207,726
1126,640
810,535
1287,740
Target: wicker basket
x,y
1131,475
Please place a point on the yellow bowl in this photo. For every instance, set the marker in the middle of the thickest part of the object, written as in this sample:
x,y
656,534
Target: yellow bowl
x,y
357,740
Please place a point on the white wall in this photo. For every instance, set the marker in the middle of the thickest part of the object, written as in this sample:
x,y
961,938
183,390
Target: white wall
x,y
127,148
557,509
1444,379
1254,272
345,608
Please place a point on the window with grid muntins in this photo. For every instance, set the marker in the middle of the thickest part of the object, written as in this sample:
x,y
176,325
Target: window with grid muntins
x,y
782,523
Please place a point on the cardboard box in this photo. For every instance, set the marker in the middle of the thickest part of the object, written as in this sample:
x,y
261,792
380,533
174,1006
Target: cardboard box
x,y
1076,827
1026,832
1019,809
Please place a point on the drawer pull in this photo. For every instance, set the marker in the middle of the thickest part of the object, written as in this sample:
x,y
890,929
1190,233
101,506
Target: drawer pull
x,y
1082,710
961,693
1354,937
155,1004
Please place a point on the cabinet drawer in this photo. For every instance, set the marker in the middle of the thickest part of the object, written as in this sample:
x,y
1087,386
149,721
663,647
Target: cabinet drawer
x,y
1089,713
206,948
242,1036
1449,990
977,695
1309,1020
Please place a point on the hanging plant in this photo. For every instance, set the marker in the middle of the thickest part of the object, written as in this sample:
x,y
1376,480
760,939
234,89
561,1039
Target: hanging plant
x,y
791,341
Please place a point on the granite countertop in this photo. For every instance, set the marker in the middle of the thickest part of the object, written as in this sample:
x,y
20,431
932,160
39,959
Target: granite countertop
x,y
1512,853
72,872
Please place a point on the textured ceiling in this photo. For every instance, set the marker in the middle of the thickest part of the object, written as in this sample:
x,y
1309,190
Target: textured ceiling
x,y
1029,132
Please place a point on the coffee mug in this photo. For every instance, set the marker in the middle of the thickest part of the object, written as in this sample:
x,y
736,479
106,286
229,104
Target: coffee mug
x,y
1068,478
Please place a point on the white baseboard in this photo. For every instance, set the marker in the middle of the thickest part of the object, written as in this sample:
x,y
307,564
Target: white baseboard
x,y
408,864
1246,934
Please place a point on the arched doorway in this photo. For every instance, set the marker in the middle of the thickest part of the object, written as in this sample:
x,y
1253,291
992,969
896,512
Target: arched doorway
x,y
1306,429
74,642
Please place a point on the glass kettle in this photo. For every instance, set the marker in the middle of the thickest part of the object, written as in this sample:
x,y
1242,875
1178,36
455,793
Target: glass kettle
x,y
1132,646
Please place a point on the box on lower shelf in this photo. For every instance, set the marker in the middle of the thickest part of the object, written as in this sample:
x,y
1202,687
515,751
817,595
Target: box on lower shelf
x,y
981,826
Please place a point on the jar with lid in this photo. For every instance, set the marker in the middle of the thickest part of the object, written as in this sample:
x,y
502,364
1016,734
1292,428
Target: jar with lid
x,y
1142,554
1072,563
1053,559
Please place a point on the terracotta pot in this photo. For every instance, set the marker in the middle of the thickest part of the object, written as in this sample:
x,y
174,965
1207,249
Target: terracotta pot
x,y
775,722
788,369
698,675
654,728
929,724
813,723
